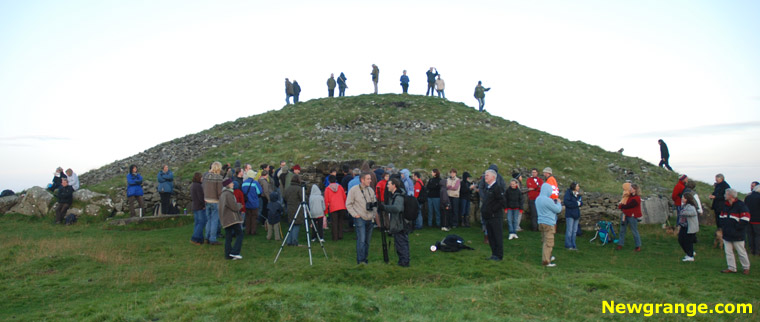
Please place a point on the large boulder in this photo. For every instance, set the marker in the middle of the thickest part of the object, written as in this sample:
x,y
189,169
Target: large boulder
x,y
655,210
35,202
6,203
87,195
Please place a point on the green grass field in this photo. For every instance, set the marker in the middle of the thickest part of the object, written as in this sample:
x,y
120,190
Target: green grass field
x,y
91,272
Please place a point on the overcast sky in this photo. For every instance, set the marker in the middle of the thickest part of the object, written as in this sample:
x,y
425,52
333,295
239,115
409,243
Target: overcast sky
x,y
84,83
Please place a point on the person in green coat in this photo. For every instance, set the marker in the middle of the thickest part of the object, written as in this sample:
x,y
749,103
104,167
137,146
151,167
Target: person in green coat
x,y
480,95
331,86
375,76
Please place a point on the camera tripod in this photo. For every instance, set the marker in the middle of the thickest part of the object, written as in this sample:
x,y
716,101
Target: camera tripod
x,y
303,210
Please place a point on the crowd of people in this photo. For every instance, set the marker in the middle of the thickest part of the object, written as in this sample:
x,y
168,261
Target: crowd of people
x,y
435,86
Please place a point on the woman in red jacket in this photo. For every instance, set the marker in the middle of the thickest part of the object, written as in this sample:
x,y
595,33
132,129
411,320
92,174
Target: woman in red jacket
x,y
335,206
632,211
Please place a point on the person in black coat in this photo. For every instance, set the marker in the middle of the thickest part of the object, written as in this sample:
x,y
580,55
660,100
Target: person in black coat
x,y
493,214
664,154
752,201
65,198
296,91
718,196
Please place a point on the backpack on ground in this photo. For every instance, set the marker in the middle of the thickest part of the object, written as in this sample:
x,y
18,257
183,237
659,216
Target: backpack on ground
x,y
70,219
411,208
606,232
452,243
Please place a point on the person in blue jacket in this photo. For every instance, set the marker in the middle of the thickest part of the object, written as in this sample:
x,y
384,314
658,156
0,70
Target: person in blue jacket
x,y
166,188
342,85
251,190
134,190
573,204
404,82
547,209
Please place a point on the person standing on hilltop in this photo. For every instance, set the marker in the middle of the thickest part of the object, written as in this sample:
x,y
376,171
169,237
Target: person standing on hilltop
x,y
296,91
552,182
431,81
331,86
288,91
404,83
664,154
375,76
439,87
165,188
134,190
480,95
534,188
342,85
212,189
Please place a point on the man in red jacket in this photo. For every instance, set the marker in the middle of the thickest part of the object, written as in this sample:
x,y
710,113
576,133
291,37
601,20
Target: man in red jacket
x,y
534,189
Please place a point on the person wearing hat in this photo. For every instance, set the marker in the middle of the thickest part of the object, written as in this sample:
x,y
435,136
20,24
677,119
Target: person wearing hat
x,y
229,215
287,178
552,182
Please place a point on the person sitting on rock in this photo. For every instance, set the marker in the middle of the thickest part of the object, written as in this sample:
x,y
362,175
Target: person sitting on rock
x,y
73,179
65,198
57,177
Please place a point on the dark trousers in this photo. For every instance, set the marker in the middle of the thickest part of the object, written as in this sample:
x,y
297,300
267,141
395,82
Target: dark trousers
x,y
233,231
320,230
430,89
251,220
665,163
405,88
166,202
495,231
342,91
456,219
60,212
533,215
753,238
338,218
295,98
330,92
687,241
401,241
140,202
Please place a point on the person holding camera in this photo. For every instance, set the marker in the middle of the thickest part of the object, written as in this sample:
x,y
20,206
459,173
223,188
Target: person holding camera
x,y
399,227
362,205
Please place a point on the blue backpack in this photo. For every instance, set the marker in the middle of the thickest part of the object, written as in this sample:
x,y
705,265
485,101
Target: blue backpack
x,y
606,233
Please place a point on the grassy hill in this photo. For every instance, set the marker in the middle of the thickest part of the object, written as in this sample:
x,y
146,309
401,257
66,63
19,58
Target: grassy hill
x,y
414,132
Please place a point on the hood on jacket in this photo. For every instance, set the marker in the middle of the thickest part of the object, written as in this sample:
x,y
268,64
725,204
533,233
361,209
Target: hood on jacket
x,y
406,173
334,186
465,176
757,189
275,196
315,190
546,190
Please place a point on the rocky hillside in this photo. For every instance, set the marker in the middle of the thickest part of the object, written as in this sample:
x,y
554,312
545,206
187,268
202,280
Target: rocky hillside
x,y
415,132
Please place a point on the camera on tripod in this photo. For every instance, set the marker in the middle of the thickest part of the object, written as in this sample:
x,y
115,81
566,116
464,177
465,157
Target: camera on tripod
x,y
371,205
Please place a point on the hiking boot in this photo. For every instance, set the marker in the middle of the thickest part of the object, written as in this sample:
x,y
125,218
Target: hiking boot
x,y
485,239
746,272
637,249
730,271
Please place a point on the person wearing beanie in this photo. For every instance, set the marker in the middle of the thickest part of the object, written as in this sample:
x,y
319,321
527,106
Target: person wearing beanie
x,y
549,178
251,190
287,178
229,215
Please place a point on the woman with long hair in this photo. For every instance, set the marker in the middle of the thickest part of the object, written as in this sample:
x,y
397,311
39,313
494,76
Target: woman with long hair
x,y
689,223
433,187
631,214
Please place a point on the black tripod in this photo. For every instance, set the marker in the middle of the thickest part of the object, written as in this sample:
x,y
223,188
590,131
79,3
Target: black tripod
x,y
303,210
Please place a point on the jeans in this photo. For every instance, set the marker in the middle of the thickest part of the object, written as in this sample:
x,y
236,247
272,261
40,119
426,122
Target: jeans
x,y
212,221
295,98
665,163
513,216
293,237
430,89
634,225
418,221
434,206
464,211
441,94
571,229
363,236
533,215
287,99
454,212
236,231
200,223
405,88
481,103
